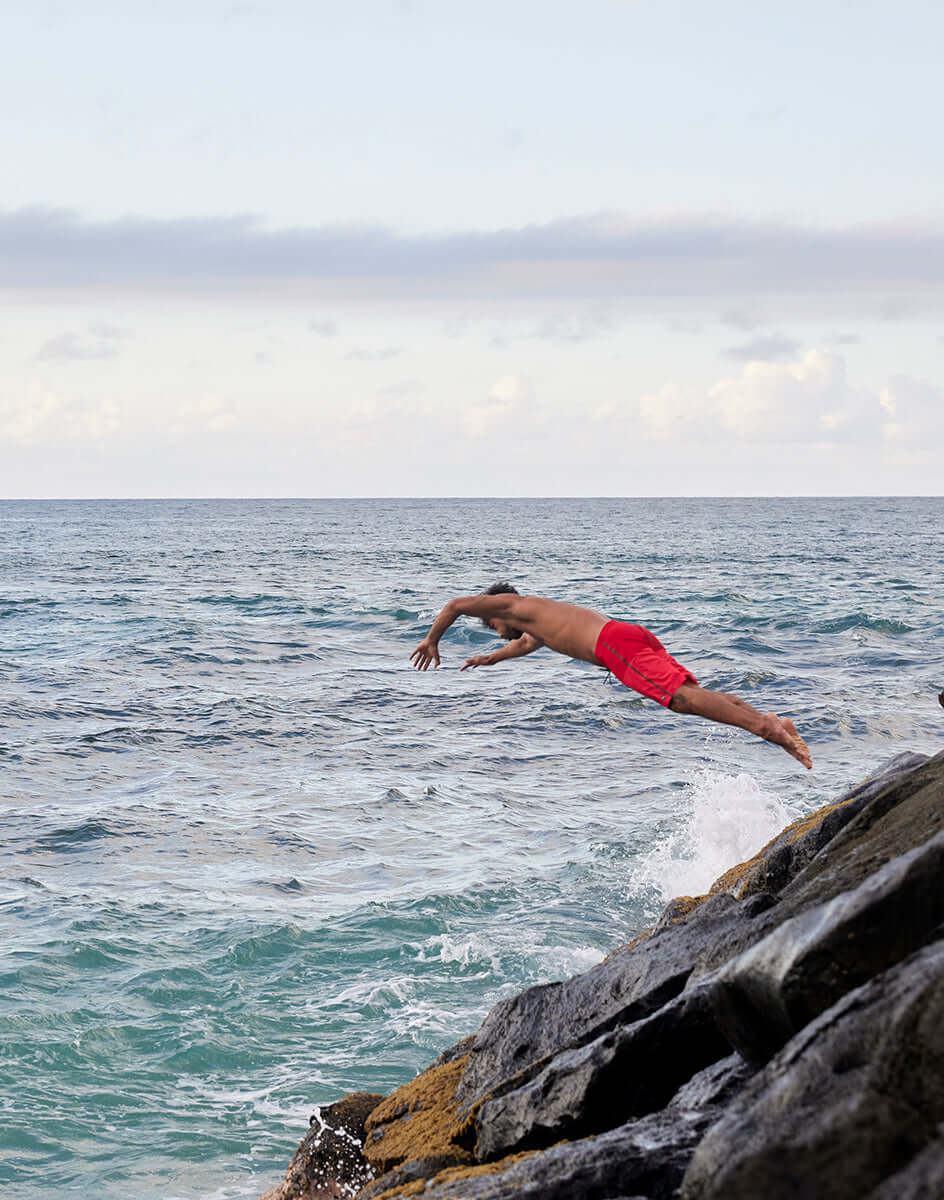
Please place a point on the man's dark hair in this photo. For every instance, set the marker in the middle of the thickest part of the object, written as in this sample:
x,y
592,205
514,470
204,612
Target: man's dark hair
x,y
502,589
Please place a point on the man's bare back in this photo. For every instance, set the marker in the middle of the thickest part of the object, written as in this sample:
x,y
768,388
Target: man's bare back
x,y
566,628
527,623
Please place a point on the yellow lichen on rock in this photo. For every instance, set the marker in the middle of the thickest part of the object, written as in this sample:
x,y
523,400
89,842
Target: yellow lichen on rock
x,y
453,1174
418,1120
679,908
629,945
735,879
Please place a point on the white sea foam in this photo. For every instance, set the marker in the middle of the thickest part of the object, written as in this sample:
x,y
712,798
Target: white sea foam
x,y
256,1101
464,951
517,943
728,819
370,993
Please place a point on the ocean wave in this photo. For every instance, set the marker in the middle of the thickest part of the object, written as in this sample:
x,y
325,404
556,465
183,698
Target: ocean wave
x,y
861,620
118,738
747,680
263,603
754,645
21,603
75,837
716,598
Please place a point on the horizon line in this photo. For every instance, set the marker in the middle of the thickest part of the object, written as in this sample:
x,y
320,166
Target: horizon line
x,y
529,496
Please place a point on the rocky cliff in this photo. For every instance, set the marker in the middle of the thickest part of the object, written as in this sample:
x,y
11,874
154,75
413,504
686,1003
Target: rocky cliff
x,y
780,1038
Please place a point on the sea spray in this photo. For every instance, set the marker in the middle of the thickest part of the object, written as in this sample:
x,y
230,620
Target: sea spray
x,y
728,818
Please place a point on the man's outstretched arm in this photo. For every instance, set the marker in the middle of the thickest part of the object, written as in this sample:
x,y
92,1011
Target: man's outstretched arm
x,y
526,644
483,607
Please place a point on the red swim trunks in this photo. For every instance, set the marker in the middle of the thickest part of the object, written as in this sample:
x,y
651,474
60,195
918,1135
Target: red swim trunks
x,y
637,658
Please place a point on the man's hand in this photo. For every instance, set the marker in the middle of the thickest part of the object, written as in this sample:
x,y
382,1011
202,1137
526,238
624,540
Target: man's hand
x,y
480,660
425,653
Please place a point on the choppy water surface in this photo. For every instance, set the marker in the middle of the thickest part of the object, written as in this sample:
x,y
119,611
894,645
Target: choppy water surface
x,y
251,860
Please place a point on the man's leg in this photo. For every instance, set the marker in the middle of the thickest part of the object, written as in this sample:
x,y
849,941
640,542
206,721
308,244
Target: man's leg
x,y
731,710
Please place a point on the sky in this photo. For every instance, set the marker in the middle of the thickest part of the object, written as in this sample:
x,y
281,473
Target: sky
x,y
416,248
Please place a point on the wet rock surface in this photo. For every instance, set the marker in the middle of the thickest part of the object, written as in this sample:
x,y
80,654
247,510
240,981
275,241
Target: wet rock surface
x,y
862,1087
627,1072
768,993
782,1036
329,1163
921,1179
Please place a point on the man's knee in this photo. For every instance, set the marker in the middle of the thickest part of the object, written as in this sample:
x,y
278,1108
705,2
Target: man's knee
x,y
680,702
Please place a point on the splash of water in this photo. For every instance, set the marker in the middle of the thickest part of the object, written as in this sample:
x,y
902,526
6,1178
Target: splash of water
x,y
729,818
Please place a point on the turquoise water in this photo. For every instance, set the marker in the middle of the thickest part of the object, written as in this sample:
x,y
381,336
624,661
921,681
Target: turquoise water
x,y
250,860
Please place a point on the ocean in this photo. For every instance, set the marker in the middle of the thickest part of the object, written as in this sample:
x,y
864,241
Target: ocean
x,y
251,860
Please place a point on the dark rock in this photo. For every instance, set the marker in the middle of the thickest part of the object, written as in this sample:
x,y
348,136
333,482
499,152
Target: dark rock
x,y
417,1168
459,1050
922,1179
328,1163
901,816
626,1072
714,1085
767,994
644,1159
848,1102
520,1033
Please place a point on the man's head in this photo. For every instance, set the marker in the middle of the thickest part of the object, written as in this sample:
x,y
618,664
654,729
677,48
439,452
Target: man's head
x,y
502,628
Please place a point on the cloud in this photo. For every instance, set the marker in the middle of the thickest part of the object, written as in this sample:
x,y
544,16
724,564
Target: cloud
x,y
561,328
686,325
403,389
673,413
505,401
69,347
738,319
767,348
206,414
810,400
36,416
913,411
113,333
323,328
564,330
899,268
39,416
238,9
374,356
514,139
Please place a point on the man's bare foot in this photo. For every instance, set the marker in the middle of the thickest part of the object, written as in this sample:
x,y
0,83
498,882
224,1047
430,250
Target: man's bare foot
x,y
804,748
782,732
